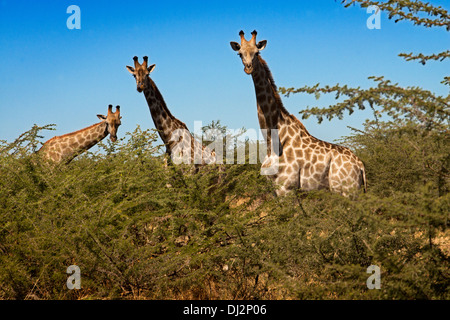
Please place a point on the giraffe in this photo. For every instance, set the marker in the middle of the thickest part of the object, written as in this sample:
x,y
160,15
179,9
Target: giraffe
x,y
180,145
300,160
66,147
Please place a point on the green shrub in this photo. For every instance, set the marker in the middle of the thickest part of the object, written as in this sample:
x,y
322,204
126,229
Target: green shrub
x,y
139,229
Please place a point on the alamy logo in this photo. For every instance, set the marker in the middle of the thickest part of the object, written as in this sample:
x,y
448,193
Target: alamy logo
x,y
190,149
374,281
374,21
74,20
74,280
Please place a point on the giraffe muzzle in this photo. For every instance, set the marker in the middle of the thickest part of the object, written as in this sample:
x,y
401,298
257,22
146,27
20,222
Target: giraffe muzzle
x,y
248,70
140,87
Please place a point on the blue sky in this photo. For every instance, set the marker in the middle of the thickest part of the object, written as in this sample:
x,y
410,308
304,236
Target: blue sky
x,y
50,74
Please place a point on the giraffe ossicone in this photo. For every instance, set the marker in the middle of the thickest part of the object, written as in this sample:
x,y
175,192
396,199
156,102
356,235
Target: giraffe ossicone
x,y
302,161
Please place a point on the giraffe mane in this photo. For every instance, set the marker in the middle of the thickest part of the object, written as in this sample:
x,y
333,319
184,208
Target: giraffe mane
x,y
181,124
74,133
277,97
164,106
273,85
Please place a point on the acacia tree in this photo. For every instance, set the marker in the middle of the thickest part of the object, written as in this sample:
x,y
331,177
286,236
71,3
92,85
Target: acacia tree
x,y
405,147
417,118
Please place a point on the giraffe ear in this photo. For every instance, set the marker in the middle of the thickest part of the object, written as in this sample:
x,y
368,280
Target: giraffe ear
x,y
235,46
130,69
151,68
101,117
261,45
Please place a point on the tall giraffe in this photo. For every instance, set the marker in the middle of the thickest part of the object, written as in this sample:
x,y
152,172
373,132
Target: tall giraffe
x,y
301,160
180,144
67,147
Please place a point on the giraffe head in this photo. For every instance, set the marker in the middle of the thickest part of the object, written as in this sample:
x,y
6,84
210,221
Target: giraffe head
x,y
112,121
141,72
248,50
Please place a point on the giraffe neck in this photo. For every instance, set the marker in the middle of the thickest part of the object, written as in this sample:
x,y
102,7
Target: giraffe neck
x,y
92,135
164,121
270,107
68,146
167,125
271,112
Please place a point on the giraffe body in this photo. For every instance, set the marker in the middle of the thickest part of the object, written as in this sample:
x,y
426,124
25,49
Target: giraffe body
x,y
309,163
300,160
67,147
